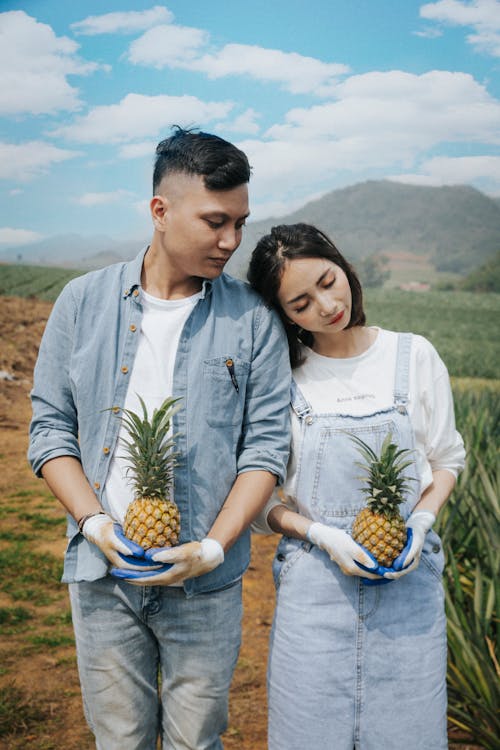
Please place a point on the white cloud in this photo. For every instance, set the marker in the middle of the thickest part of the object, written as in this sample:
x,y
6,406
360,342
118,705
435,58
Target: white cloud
x,y
126,22
14,237
182,47
381,123
139,116
482,15
35,64
458,170
487,42
142,208
276,208
103,199
244,123
168,46
407,112
24,161
428,33
296,73
137,150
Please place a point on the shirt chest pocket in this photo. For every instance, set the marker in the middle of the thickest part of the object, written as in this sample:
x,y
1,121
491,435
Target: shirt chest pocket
x,y
224,383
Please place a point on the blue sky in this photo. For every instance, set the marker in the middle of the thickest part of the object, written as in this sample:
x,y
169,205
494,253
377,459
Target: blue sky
x,y
320,94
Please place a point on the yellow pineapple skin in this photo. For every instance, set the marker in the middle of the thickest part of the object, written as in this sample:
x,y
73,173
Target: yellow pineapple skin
x,y
152,522
384,537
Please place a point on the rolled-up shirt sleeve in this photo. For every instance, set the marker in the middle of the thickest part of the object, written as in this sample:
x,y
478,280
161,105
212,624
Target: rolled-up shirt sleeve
x,y
435,420
266,426
54,427
445,447
260,525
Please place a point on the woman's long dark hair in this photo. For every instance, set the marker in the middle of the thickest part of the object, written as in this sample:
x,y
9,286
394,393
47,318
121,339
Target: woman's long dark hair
x,y
287,242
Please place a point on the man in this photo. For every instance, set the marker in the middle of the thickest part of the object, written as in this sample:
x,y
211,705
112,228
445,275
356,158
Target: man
x,y
168,323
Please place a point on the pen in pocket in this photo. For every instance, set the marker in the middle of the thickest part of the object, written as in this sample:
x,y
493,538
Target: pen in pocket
x,y
230,369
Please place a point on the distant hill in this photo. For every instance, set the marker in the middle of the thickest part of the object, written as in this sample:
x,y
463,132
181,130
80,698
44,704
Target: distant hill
x,y
458,228
42,282
72,251
454,229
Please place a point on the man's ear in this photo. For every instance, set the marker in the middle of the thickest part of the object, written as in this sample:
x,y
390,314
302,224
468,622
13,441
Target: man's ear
x,y
158,207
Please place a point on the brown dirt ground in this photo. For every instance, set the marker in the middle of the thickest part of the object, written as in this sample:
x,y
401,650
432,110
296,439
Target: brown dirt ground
x,y
45,669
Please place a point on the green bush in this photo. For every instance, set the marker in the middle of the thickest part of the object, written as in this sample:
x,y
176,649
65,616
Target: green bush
x,y
469,529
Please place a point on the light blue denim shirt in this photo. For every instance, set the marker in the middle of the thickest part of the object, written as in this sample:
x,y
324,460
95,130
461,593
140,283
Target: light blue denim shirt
x,y
86,356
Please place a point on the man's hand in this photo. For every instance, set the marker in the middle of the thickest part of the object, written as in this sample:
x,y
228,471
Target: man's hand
x,y
108,535
352,559
177,563
418,524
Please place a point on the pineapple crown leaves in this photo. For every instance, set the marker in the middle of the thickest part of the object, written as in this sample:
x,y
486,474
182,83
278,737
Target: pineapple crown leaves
x,y
384,474
149,454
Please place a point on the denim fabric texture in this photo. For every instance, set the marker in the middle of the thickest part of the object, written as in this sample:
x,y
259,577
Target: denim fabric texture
x,y
150,629
351,665
85,358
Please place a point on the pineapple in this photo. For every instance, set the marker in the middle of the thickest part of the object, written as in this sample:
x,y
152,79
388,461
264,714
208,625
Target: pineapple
x,y
152,519
379,527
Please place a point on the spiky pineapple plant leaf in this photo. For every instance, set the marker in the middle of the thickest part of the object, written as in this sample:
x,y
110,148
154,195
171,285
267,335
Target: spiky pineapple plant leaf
x,y
152,518
379,527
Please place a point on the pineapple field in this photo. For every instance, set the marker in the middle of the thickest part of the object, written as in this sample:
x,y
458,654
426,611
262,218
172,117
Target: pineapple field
x,y
40,704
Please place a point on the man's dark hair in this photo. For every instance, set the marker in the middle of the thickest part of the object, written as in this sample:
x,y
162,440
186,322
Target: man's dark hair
x,y
272,252
220,163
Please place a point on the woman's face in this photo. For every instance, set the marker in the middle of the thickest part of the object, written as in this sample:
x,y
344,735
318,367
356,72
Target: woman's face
x,y
315,294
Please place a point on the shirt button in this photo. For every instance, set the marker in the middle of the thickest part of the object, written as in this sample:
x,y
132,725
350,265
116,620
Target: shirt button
x,y
105,451
309,420
115,409
436,548
124,370
135,292
133,328
97,485
281,557
126,292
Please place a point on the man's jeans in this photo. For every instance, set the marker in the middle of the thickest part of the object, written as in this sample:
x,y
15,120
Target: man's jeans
x,y
128,635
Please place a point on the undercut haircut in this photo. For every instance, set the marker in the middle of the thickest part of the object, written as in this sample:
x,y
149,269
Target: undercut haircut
x,y
220,163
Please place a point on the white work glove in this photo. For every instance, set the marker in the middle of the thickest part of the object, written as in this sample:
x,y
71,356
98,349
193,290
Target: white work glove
x,y
343,550
417,525
177,563
108,535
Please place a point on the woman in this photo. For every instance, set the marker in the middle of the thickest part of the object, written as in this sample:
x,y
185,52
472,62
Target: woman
x,y
353,665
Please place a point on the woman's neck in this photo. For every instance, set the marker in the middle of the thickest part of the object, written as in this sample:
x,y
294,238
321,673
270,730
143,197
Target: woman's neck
x,y
348,343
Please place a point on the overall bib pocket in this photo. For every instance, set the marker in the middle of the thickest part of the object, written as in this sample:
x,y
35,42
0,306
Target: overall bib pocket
x,y
338,480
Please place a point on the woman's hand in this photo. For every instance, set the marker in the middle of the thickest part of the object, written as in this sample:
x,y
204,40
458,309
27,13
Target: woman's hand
x,y
418,524
352,559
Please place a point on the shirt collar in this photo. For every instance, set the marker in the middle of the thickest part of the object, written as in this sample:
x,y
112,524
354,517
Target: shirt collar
x,y
133,276
133,273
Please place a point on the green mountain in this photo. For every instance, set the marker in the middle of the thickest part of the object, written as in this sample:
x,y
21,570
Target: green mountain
x,y
457,228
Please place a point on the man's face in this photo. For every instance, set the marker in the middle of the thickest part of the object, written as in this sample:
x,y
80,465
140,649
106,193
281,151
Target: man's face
x,y
198,229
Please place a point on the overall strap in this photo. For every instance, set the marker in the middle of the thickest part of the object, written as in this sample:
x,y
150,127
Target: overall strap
x,y
402,379
298,402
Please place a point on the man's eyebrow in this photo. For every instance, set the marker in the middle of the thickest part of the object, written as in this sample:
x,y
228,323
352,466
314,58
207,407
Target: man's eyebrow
x,y
223,215
304,294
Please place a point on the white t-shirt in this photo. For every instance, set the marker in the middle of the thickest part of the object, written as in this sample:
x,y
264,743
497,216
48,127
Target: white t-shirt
x,y
151,378
364,384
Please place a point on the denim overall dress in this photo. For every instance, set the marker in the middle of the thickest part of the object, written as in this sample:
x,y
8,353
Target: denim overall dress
x,y
353,665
